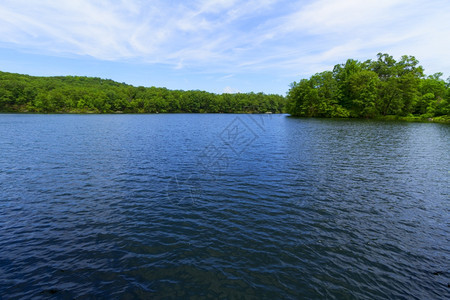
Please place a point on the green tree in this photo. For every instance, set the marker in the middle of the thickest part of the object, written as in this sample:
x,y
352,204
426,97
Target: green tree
x,y
363,87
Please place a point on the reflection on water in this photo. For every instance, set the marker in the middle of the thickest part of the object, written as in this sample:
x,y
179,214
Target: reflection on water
x,y
222,206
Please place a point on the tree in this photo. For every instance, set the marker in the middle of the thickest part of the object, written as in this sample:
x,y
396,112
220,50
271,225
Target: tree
x,y
342,73
384,66
433,99
363,87
370,89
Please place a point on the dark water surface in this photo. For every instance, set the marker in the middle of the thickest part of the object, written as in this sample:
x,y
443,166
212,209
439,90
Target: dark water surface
x,y
223,206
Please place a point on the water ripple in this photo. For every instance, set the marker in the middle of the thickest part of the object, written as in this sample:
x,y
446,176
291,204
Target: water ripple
x,y
130,207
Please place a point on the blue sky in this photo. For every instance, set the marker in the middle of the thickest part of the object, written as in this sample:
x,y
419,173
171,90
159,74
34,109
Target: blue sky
x,y
217,45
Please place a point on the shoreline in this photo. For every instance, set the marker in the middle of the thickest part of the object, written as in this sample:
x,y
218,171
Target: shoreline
x,y
415,119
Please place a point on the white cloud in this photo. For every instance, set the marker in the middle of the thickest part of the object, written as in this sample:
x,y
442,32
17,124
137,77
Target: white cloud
x,y
330,31
231,36
337,16
214,6
65,26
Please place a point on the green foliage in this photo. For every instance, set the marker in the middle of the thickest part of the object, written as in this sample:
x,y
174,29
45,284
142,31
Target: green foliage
x,y
371,89
363,87
316,97
74,94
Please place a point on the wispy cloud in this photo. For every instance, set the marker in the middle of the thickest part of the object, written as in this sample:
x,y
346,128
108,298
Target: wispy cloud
x,y
325,32
231,36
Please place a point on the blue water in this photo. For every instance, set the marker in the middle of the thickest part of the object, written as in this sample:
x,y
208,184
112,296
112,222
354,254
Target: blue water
x,y
223,206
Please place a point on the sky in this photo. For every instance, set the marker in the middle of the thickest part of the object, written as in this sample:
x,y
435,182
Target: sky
x,y
217,45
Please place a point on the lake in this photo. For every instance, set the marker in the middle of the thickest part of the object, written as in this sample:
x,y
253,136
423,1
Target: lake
x,y
223,206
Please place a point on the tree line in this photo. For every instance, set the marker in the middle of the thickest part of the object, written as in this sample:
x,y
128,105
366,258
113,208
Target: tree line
x,y
378,88
372,89
75,94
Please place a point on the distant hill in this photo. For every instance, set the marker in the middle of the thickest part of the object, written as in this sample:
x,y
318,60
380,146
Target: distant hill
x,y
75,94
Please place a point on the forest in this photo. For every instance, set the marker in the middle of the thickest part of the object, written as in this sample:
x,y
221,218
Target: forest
x,y
75,94
381,88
